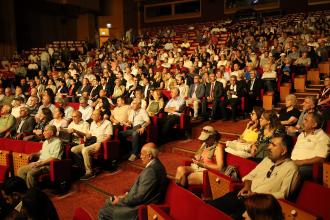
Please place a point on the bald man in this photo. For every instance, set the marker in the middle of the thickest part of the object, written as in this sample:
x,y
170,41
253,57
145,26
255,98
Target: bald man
x,y
148,188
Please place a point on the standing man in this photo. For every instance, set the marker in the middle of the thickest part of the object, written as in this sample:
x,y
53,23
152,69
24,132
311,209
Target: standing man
x,y
51,150
149,187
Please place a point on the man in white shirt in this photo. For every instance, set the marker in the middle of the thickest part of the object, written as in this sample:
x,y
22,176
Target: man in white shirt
x,y
184,88
101,130
138,121
77,126
312,145
85,109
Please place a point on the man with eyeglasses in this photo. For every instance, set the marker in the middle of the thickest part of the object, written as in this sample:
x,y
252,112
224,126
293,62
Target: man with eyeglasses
x,y
275,174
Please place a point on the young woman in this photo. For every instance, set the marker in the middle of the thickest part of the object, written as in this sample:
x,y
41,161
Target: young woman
x,y
209,156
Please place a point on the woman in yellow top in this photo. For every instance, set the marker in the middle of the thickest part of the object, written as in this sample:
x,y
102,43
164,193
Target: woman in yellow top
x,y
209,156
241,146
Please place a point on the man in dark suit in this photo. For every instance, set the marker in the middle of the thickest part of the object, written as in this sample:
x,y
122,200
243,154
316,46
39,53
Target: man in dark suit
x,y
24,124
94,93
131,90
235,92
195,94
149,187
253,87
213,93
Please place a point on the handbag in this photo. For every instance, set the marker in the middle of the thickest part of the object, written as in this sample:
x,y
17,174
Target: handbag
x,y
89,141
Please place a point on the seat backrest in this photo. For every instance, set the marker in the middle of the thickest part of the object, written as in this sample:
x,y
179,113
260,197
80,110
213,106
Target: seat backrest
x,y
11,145
74,105
81,214
30,147
185,205
315,199
243,166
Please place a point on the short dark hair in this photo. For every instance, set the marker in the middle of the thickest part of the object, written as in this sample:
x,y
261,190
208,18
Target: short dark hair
x,y
317,118
14,184
286,142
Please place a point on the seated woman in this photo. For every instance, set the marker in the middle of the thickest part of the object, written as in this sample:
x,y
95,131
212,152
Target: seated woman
x,y
59,121
290,114
269,126
156,104
45,117
62,89
209,156
242,146
269,78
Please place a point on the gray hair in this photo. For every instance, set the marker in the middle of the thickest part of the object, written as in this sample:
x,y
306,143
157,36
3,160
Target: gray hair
x,y
313,99
52,128
151,148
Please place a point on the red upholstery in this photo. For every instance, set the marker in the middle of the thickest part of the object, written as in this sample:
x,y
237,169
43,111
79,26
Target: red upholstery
x,y
243,166
315,199
74,105
81,214
185,205
4,170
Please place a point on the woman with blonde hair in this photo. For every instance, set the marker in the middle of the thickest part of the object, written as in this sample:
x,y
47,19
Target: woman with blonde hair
x,y
289,115
156,104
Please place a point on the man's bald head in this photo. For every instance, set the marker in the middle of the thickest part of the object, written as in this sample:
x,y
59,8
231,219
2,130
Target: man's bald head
x,y
149,151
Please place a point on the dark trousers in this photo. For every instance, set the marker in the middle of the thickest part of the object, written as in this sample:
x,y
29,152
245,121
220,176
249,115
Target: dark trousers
x,y
135,139
230,204
215,107
167,123
234,102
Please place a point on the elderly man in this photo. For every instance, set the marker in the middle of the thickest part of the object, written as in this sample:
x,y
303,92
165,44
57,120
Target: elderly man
x,y
312,145
46,103
119,115
195,94
85,109
63,102
8,98
51,150
100,130
24,124
138,120
276,175
173,108
149,187
77,127
7,121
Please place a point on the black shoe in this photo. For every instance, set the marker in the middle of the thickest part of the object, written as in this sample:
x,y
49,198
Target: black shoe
x,y
87,176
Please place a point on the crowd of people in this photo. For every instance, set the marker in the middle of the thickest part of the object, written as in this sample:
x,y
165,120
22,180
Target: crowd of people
x,y
121,85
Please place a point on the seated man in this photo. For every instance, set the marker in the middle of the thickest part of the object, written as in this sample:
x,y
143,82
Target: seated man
x,y
119,115
174,107
149,187
77,127
312,145
63,102
138,120
101,130
276,175
24,124
85,109
195,94
7,121
51,150
213,93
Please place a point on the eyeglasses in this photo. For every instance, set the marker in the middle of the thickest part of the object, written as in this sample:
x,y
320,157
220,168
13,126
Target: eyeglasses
x,y
269,173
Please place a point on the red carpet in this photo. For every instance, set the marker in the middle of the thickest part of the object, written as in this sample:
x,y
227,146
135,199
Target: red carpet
x,y
80,196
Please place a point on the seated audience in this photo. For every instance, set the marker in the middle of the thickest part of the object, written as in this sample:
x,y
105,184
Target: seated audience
x,y
8,98
45,117
63,103
262,206
242,146
51,150
290,114
156,104
195,94
119,115
149,187
17,104
7,121
99,131
77,127
37,206
209,156
58,119
13,190
269,126
276,175
138,121
312,146
46,103
24,124
85,109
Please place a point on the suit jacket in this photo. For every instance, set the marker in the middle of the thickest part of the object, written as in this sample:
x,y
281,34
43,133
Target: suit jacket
x,y
28,124
82,89
217,90
95,91
256,89
149,187
200,91
239,89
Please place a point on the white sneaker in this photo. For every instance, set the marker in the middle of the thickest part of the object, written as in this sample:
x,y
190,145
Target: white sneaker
x,y
132,157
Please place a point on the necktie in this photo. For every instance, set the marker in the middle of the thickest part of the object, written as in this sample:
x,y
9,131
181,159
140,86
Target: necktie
x,y
212,90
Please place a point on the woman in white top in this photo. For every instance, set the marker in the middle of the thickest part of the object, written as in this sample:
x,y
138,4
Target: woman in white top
x,y
59,121
222,61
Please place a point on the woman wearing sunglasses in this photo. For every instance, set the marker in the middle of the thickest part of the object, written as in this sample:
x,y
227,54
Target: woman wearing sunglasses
x,y
209,156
